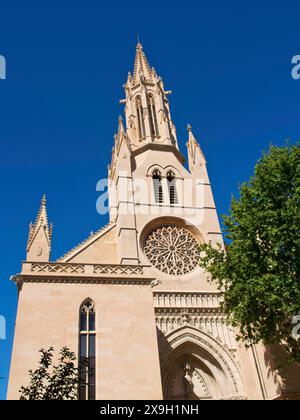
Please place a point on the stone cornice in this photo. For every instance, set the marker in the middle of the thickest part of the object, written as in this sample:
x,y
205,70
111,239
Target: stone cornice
x,y
129,281
56,272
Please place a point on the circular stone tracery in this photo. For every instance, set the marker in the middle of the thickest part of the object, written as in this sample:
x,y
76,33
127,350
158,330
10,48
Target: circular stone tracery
x,y
172,249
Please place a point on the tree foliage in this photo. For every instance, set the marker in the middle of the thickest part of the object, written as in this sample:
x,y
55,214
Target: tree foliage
x,y
259,272
53,382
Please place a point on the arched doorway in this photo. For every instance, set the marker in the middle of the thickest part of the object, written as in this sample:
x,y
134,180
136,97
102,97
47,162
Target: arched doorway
x,y
195,366
186,381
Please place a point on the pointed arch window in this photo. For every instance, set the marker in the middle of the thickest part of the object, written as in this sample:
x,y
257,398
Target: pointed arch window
x,y
87,351
172,188
157,185
152,116
140,117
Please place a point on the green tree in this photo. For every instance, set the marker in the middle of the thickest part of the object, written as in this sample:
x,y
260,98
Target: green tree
x,y
259,272
53,382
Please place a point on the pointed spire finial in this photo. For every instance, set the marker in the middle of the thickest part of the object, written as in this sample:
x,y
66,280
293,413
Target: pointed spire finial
x,y
191,135
39,230
193,146
141,64
43,200
120,130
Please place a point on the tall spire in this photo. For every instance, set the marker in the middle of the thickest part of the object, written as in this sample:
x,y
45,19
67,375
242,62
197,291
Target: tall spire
x,y
40,235
141,65
147,109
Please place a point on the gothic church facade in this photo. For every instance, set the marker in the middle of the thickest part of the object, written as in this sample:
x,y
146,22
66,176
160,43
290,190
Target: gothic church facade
x,y
131,297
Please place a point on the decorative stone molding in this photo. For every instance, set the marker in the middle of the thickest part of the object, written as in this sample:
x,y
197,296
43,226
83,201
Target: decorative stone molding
x,y
201,310
20,279
209,320
119,269
188,340
84,273
57,268
74,268
166,299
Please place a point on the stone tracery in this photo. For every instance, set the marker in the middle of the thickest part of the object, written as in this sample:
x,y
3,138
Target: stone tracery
x,y
196,366
172,249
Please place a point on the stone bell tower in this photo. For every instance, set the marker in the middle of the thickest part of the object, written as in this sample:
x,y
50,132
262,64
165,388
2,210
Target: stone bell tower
x,y
147,177
149,124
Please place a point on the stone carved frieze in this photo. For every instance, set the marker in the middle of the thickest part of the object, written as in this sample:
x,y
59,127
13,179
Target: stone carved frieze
x,y
197,309
165,299
57,268
118,269
56,272
73,268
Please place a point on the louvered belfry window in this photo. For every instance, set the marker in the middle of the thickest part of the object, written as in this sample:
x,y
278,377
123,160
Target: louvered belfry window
x,y
157,185
172,188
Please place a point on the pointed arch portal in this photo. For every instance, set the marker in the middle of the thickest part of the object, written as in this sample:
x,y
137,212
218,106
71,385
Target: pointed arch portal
x,y
195,366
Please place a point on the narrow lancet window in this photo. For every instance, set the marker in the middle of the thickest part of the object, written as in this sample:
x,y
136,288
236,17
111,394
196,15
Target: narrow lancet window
x,y
152,116
172,188
140,118
87,351
157,185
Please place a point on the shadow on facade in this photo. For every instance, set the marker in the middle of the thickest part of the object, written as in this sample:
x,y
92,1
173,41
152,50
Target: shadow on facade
x,y
286,376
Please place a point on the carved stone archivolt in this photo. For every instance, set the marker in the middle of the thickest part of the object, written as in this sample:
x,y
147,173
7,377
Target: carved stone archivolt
x,y
172,250
196,366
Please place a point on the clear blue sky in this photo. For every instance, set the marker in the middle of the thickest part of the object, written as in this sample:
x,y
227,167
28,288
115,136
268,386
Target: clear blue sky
x,y
227,63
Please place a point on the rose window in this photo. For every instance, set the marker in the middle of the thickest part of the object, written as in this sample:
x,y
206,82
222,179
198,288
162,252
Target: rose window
x,y
172,249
